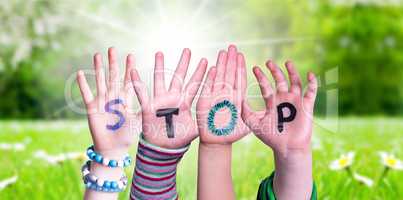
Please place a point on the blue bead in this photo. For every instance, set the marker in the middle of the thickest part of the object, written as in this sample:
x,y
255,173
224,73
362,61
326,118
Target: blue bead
x,y
92,155
114,185
98,158
107,184
113,163
88,153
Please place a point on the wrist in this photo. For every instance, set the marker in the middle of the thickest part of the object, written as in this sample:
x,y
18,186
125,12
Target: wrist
x,y
106,172
219,155
116,153
293,156
293,174
214,146
295,162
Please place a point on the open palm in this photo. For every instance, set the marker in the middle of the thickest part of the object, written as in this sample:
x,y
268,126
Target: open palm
x,y
110,116
287,124
225,84
177,98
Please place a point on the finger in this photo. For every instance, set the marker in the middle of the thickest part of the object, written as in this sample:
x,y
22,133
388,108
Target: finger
x,y
264,84
295,80
180,72
99,75
310,94
221,66
231,67
209,82
250,118
130,64
269,105
281,83
195,81
139,88
241,79
113,70
84,88
159,79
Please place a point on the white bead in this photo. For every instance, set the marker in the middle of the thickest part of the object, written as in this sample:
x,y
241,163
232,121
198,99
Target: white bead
x,y
100,182
105,161
92,178
120,163
120,185
86,172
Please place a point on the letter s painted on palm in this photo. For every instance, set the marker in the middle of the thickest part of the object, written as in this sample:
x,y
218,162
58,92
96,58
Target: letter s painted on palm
x,y
109,109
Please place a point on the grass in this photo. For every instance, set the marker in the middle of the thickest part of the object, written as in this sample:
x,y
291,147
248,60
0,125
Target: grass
x,y
252,161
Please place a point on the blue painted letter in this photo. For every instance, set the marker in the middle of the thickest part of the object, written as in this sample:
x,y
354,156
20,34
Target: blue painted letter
x,y
116,112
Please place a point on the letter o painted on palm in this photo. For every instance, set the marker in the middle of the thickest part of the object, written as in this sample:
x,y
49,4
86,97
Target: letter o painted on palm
x,y
230,126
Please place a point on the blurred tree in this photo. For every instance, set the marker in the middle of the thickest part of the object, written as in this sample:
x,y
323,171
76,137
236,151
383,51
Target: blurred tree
x,y
365,42
356,48
32,38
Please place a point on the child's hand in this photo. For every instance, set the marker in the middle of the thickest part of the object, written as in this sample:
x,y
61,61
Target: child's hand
x,y
167,118
219,105
287,129
110,116
287,124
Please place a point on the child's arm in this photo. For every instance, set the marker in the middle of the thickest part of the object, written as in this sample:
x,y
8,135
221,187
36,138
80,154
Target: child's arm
x,y
220,124
111,121
287,129
214,172
168,128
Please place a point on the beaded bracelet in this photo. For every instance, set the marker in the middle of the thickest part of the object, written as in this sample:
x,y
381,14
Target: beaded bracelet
x,y
93,182
96,157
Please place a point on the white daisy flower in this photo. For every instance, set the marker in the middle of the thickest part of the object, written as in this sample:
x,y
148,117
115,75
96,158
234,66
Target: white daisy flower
x,y
6,182
363,179
390,161
40,153
59,158
75,156
12,146
345,160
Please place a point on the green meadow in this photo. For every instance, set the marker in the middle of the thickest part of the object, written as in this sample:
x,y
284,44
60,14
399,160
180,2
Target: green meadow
x,y
252,161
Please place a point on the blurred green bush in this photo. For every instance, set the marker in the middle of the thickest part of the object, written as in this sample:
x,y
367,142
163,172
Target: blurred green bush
x,y
365,43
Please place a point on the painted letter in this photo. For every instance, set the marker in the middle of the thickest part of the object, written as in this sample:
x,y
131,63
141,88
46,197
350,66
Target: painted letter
x,y
116,112
280,114
167,113
231,125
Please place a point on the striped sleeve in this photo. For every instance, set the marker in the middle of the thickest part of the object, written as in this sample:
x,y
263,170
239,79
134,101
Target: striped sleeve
x,y
155,172
266,191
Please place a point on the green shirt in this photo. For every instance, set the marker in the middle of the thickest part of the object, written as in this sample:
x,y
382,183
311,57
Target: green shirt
x,y
266,191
